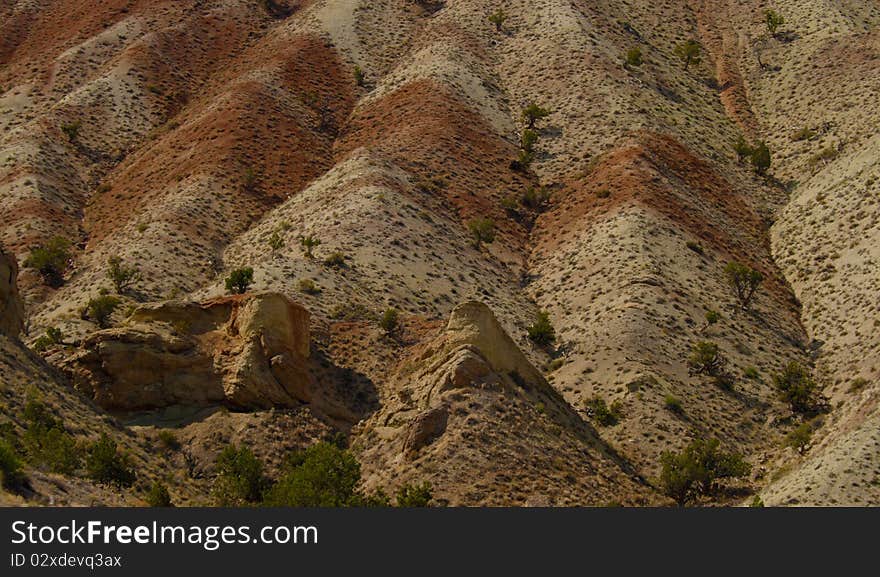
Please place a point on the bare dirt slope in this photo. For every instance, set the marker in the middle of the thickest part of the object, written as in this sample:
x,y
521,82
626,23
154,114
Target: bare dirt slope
x,y
196,137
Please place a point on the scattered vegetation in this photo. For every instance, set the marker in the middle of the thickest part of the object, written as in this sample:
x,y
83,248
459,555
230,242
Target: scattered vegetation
x,y
634,57
276,241
10,467
689,52
497,18
744,280
71,130
46,442
240,480
532,113
53,336
482,231
121,275
696,470
50,260
159,496
359,77
673,404
795,385
323,475
106,465
251,180
541,332
389,322
604,414
240,280
308,243
773,20
335,259
101,308
742,148
760,158
308,287
412,495
706,359
800,438
804,133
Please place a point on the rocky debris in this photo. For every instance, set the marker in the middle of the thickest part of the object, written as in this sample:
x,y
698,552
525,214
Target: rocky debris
x,y
427,426
248,351
11,309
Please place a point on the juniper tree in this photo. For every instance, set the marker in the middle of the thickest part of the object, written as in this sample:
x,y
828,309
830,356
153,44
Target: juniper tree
x,y
744,281
689,52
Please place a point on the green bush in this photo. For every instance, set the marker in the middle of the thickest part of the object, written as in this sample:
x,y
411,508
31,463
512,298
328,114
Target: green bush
x,y
689,52
321,476
541,332
774,20
673,404
101,308
46,443
795,385
239,280
52,337
121,275
106,465
706,359
528,140
712,317
240,480
800,438
308,287
415,495
497,18
751,373
390,321
71,129
335,260
533,113
159,496
50,260
482,231
308,243
535,198
276,241
359,77
696,470
760,158
744,281
634,57
10,467
605,415
168,440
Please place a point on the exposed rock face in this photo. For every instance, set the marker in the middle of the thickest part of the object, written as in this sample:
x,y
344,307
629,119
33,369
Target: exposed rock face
x,y
246,351
11,309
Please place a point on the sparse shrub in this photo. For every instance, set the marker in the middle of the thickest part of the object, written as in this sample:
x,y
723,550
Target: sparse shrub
x,y
689,52
121,275
742,148
673,404
411,495
308,243
712,317
106,465
350,312
71,130
824,156
276,241
744,280
532,114
482,231
696,470
603,193
511,206
751,373
535,198
240,480
800,438
857,385
634,57
760,158
335,260
524,160
528,140
45,441
604,414
52,337
308,287
757,502
50,260
497,18
795,385
239,280
706,359
390,321
321,476
251,179
159,496
168,440
773,20
100,309
359,77
10,467
541,332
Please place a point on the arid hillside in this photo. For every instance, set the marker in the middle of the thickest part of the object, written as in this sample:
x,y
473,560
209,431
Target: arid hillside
x,y
525,251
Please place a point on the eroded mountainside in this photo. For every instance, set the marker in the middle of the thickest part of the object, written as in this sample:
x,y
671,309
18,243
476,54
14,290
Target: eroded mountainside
x,y
368,155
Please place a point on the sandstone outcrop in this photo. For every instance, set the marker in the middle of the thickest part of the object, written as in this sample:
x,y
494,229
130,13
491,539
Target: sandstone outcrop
x,y
11,309
248,351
